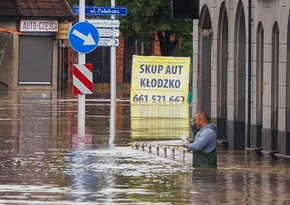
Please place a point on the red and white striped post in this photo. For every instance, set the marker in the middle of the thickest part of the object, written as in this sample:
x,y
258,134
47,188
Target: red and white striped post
x,y
83,78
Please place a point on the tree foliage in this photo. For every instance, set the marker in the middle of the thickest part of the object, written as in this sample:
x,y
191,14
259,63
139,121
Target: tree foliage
x,y
146,18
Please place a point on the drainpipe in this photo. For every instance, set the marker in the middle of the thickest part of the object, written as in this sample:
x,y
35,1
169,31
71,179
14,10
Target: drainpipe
x,y
249,70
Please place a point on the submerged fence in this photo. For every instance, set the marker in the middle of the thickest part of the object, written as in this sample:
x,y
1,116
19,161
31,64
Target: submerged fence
x,y
165,150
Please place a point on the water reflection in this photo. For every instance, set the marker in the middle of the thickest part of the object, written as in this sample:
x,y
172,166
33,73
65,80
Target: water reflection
x,y
159,120
112,123
83,180
43,160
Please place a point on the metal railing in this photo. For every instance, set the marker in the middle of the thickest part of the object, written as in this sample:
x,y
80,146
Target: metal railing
x,y
172,151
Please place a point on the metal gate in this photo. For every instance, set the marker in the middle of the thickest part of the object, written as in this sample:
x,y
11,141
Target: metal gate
x,y
35,60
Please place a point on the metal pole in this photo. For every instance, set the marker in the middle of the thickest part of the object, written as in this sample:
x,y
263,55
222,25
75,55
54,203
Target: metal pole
x,y
113,64
249,70
82,60
112,123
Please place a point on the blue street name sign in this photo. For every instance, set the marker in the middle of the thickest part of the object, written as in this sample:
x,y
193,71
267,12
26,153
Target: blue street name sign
x,y
83,37
102,11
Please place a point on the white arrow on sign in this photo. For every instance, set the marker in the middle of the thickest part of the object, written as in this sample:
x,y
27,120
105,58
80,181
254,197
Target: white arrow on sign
x,y
108,42
108,32
88,40
104,23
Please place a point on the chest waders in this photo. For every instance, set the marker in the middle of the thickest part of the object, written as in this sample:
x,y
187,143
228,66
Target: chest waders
x,y
204,160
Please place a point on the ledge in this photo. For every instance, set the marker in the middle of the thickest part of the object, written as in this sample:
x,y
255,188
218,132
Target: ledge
x,y
282,156
224,143
256,150
272,153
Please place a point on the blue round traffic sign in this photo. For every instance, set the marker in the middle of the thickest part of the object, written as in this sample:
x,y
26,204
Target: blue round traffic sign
x,y
83,37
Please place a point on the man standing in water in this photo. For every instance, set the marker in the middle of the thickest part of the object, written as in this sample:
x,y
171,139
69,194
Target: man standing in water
x,y
204,144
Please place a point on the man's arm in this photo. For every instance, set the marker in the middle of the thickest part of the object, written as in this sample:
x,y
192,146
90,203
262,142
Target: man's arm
x,y
201,142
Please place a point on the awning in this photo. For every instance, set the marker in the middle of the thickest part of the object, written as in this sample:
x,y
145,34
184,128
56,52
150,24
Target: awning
x,y
10,31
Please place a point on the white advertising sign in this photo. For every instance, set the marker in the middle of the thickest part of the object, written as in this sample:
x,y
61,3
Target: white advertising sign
x,y
38,26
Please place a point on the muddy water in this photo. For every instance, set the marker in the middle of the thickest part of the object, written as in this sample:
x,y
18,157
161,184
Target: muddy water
x,y
43,160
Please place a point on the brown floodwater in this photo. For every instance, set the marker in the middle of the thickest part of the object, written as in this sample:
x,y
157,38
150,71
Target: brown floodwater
x,y
44,160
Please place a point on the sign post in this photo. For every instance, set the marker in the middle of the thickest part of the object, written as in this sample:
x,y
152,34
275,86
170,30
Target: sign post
x,y
108,32
113,64
81,97
83,38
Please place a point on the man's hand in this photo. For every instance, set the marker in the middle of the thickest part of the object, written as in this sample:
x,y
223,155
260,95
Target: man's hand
x,y
184,143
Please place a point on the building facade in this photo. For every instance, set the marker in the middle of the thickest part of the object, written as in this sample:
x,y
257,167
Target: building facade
x,y
31,60
223,75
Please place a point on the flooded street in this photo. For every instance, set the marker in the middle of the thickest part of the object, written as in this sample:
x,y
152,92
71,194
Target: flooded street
x,y
43,160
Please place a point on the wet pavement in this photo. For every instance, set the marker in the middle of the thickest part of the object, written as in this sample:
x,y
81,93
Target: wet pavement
x,y
43,160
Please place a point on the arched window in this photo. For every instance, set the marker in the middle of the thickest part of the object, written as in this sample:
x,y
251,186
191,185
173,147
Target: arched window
x,y
240,66
205,54
222,73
